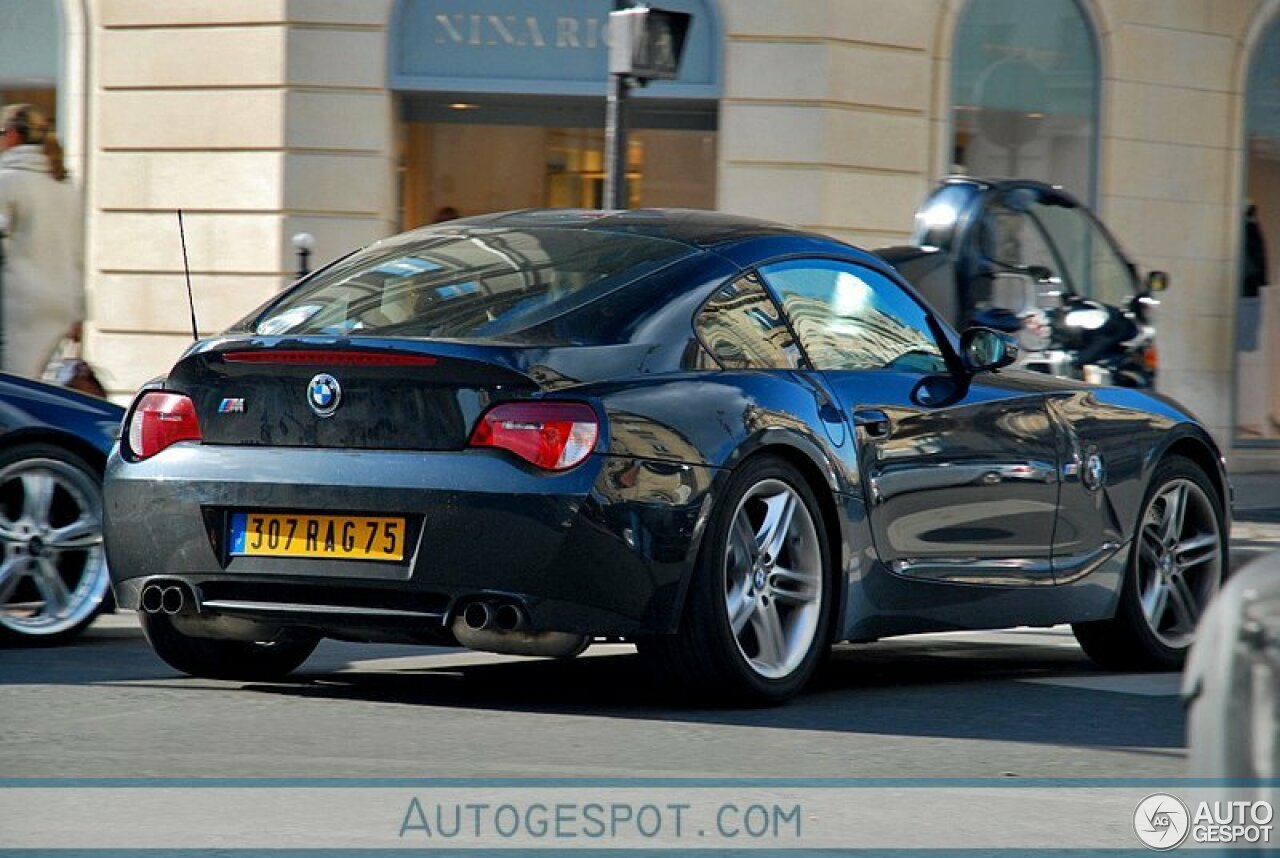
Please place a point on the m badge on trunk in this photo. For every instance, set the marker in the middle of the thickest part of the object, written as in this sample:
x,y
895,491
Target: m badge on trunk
x,y
323,394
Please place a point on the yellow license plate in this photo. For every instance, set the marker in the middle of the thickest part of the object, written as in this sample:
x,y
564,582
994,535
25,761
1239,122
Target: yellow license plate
x,y
336,537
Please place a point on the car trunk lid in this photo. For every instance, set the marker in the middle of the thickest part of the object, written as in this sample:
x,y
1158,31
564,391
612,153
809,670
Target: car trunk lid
x,y
322,392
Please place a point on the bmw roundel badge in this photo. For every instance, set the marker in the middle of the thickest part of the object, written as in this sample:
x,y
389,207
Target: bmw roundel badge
x,y
323,394
1095,471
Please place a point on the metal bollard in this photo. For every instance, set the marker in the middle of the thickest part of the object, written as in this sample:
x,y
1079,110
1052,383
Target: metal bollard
x,y
303,244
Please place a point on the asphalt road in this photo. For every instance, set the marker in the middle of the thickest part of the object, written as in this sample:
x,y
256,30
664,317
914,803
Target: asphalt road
x,y
1020,703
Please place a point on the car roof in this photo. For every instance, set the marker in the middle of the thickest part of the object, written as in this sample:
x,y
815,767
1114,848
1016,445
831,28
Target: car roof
x,y
695,228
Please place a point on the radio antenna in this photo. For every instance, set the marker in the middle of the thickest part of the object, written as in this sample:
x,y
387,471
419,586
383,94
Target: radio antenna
x,y
186,269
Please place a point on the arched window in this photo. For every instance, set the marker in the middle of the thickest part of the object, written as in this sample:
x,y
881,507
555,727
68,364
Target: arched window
x,y
1258,309
1024,93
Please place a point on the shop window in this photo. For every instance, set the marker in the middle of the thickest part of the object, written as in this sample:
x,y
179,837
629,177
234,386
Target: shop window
x,y
30,54
502,107
464,168
1024,93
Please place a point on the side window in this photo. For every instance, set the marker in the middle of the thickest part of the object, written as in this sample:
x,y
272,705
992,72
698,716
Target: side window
x,y
850,317
742,328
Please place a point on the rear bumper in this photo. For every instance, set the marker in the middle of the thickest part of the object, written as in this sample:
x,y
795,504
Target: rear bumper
x,y
604,549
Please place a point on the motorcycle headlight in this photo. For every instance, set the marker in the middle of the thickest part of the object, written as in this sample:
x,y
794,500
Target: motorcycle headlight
x,y
1089,319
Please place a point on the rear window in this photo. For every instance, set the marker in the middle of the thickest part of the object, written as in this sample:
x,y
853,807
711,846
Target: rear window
x,y
472,284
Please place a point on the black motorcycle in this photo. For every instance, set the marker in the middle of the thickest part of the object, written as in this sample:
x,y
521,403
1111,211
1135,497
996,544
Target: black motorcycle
x,y
1027,258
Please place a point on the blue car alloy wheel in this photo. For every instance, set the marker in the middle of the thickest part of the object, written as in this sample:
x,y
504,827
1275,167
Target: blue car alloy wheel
x,y
53,574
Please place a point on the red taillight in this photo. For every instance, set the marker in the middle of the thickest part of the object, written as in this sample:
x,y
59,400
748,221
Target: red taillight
x,y
159,420
552,435
1151,358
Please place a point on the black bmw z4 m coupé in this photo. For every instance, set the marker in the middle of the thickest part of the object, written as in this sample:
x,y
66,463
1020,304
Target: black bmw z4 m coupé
x,y
731,442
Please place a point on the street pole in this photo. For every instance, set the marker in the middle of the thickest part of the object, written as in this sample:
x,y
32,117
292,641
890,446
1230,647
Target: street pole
x,y
4,232
644,44
615,143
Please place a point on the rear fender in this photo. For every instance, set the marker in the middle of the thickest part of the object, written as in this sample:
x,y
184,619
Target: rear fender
x,y
741,415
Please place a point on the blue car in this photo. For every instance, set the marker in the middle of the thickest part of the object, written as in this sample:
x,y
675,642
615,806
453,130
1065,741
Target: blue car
x,y
54,444
731,442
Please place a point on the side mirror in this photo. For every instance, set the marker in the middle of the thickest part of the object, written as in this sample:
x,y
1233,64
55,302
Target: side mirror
x,y
1157,281
985,350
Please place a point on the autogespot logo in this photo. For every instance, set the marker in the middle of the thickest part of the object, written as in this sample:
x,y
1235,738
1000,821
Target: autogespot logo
x,y
324,394
1161,821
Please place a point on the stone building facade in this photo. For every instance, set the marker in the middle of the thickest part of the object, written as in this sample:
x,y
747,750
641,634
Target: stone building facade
x,y
350,119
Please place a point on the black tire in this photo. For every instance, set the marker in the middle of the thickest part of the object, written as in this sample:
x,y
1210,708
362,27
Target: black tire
x,y
1127,641
211,658
75,496
705,659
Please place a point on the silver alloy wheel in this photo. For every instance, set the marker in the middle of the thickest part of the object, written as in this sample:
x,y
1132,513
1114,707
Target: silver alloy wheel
x,y
1179,564
53,570
773,585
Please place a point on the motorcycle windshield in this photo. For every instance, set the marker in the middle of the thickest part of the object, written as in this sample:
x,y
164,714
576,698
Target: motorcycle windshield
x,y
1091,265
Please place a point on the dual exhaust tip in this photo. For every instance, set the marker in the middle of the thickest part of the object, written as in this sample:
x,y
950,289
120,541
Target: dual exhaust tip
x,y
161,599
502,617
504,627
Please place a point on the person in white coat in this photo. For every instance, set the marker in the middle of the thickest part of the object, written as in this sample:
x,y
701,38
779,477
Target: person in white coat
x,y
43,285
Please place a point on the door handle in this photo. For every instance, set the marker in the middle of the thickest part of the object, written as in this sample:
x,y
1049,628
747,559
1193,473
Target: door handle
x,y
873,420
